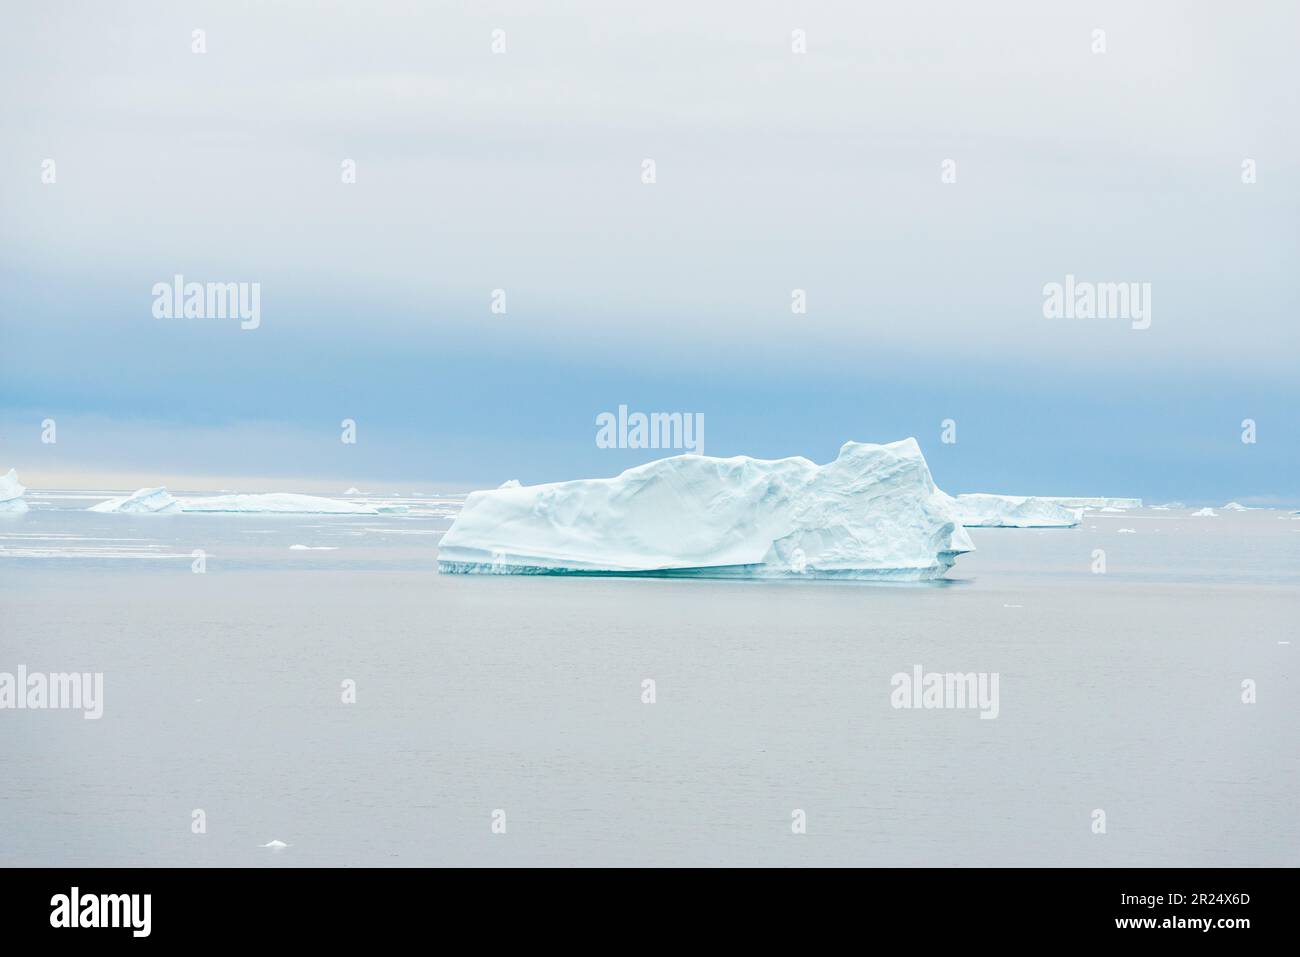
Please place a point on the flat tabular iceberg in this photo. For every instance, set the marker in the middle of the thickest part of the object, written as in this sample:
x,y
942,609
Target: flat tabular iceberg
x,y
285,502
155,500
873,513
11,493
981,510
1115,504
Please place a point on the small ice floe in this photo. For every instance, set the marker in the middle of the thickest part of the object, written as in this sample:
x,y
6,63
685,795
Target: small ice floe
x,y
1204,513
1128,531
274,845
313,548
1013,606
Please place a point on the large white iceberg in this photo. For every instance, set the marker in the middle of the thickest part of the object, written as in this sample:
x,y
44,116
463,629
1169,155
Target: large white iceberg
x,y
872,513
982,510
155,500
284,502
11,493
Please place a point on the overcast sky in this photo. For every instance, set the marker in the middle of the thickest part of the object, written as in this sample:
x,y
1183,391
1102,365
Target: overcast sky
x,y
775,171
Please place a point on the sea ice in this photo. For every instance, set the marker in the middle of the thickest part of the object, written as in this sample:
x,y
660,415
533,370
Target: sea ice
x,y
982,510
284,502
11,493
872,513
156,500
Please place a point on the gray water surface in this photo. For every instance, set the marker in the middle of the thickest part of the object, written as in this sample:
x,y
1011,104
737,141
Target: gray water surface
x,y
1119,691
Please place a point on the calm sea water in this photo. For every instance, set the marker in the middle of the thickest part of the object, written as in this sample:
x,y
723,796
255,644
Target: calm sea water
x,y
1119,691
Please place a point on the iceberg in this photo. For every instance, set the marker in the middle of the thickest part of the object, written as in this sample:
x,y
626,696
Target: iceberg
x,y
155,500
872,513
1204,513
11,493
283,502
1234,507
1115,504
983,510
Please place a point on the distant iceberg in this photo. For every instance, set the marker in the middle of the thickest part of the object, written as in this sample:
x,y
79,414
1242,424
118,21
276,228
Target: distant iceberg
x,y
982,510
1115,504
11,493
155,500
872,513
283,502
1234,507
1204,513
